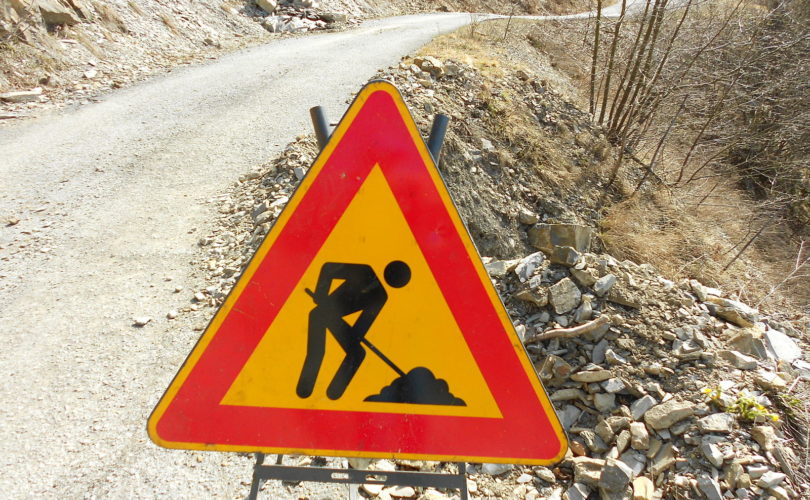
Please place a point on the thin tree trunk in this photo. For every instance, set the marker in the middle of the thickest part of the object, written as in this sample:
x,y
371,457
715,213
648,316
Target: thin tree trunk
x,y
595,56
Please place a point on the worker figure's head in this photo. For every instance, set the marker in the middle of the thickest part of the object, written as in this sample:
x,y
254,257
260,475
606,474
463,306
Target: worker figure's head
x,y
397,274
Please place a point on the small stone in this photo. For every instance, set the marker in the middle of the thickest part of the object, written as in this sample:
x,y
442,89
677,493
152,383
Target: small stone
x,y
635,460
486,144
712,453
545,474
643,488
584,277
702,291
496,469
299,172
499,268
770,480
199,297
540,300
717,422
757,470
779,493
527,265
733,311
623,441
591,376
615,475
22,96
268,6
604,402
738,360
666,414
372,489
765,436
141,321
770,381
402,492
605,431
527,217
565,256
333,17
564,296
709,487
733,473
577,491
587,470
525,478
640,437
781,347
569,415
554,368
614,359
604,284
641,406
599,351
663,460
547,236
568,395
172,314
578,448
593,442
613,385
584,312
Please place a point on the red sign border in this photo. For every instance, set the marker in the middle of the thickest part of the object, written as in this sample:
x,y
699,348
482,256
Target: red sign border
x,y
189,415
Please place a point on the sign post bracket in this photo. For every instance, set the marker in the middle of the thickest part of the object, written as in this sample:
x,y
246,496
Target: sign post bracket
x,y
262,472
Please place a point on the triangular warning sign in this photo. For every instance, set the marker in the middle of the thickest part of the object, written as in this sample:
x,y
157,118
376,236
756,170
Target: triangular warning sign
x,y
365,325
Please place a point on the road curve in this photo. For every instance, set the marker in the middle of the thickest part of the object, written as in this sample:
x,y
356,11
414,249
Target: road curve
x,y
111,199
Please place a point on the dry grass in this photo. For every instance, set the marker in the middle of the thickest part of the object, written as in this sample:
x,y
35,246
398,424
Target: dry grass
x,y
25,64
91,46
135,7
110,18
693,230
169,22
470,46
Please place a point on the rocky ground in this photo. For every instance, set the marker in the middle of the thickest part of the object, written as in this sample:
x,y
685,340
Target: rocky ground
x,y
666,388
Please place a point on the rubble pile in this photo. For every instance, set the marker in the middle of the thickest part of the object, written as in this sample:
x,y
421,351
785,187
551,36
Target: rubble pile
x,y
297,16
666,389
674,395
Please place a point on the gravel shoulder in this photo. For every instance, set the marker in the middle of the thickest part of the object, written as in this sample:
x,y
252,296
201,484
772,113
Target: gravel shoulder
x,y
111,199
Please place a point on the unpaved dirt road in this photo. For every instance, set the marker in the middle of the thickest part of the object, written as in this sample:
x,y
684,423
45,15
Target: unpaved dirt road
x,y
111,199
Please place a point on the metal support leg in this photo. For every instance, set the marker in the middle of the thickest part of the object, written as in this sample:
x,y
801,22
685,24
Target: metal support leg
x,y
321,125
462,471
437,133
256,485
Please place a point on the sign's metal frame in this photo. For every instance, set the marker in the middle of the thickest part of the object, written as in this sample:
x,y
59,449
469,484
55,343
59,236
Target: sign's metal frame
x,y
262,472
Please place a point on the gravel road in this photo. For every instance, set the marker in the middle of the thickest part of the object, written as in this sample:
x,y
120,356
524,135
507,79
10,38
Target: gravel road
x,y
111,199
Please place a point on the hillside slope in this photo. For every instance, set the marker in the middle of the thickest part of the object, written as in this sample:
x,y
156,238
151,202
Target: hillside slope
x,y
71,50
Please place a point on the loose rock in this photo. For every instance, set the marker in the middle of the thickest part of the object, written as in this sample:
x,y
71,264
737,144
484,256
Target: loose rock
x,y
667,414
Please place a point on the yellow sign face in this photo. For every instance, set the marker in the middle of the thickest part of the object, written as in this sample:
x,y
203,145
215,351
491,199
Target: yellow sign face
x,y
372,231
